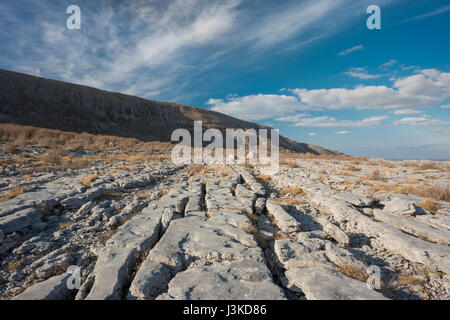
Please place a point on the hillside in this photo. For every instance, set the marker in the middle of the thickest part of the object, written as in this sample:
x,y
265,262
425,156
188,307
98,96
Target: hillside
x,y
40,102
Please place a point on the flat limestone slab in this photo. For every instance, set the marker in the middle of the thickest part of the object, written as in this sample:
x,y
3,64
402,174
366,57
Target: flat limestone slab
x,y
325,284
412,226
285,221
236,280
150,280
54,288
112,270
20,220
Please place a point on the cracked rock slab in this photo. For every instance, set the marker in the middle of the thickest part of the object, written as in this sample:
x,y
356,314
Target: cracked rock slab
x,y
235,280
325,284
54,288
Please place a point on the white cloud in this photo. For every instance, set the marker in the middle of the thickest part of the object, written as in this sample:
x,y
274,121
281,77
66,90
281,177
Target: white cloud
x,y
424,90
292,118
343,132
328,122
429,14
424,121
313,134
363,97
388,63
407,111
350,50
361,73
447,106
429,83
257,107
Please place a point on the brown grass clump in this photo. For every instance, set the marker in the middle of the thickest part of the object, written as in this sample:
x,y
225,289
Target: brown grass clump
x,y
15,265
278,236
265,177
65,225
439,192
435,191
13,193
87,181
289,201
345,174
430,205
353,271
428,166
54,156
352,168
10,148
322,171
297,191
250,229
410,280
376,175
111,194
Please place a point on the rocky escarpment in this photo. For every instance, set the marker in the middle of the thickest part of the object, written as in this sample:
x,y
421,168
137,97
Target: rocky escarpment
x,y
29,100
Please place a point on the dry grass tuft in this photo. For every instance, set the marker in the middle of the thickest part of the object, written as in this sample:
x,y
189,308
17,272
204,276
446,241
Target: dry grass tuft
x,y
410,280
15,265
353,271
289,201
352,168
297,191
14,193
265,177
439,192
250,229
54,156
430,205
435,191
87,181
375,176
10,148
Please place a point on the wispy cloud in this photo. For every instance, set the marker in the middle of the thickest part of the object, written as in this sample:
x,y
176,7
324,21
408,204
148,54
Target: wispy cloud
x,y
257,107
350,50
329,122
407,111
343,132
435,12
156,48
423,121
361,73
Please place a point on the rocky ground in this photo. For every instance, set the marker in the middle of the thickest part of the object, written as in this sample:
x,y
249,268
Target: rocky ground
x,y
152,230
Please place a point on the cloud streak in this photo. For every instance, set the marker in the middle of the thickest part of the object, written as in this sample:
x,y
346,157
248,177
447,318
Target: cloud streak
x,y
350,50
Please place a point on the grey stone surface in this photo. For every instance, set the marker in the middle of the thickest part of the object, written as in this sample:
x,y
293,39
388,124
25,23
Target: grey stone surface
x,y
54,288
150,281
326,284
284,220
260,205
112,271
401,206
228,280
413,226
20,220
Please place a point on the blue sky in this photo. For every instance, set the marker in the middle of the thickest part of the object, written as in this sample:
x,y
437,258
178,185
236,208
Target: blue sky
x,y
310,68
